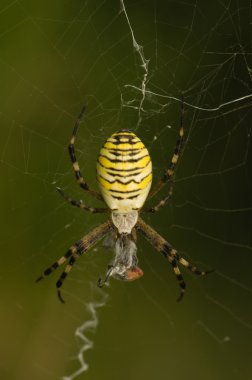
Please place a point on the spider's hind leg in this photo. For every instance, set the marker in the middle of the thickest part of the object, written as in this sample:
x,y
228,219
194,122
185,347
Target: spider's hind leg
x,y
71,149
169,172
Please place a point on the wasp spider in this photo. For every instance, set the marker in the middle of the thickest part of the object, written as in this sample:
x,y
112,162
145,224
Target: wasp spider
x,y
124,175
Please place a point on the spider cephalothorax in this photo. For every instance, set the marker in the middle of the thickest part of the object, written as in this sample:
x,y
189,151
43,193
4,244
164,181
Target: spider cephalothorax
x,y
124,221
124,174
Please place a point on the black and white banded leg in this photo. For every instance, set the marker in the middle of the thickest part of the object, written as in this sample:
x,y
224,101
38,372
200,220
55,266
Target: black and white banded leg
x,y
75,251
80,203
168,175
161,203
75,163
169,253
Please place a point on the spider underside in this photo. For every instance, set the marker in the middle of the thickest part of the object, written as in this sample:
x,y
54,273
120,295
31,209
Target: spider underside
x,y
117,186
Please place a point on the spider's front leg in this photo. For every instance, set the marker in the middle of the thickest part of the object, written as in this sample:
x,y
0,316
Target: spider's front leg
x,y
75,251
169,253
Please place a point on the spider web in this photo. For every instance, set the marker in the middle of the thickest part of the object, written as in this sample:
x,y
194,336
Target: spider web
x,y
131,62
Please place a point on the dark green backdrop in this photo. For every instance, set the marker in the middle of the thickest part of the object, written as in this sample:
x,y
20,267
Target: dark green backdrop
x,y
54,57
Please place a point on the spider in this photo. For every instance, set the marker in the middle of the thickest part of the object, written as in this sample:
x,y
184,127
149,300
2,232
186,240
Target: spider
x,y
124,175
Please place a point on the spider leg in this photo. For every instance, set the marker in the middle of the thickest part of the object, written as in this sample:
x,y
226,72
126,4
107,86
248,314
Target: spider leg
x,y
76,166
102,282
161,203
193,268
169,253
171,167
75,251
57,263
80,203
64,275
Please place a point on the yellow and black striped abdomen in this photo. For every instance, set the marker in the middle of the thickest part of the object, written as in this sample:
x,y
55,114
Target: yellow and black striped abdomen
x,y
124,172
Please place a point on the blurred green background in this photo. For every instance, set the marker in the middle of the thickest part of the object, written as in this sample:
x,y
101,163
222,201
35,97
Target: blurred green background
x,y
57,56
